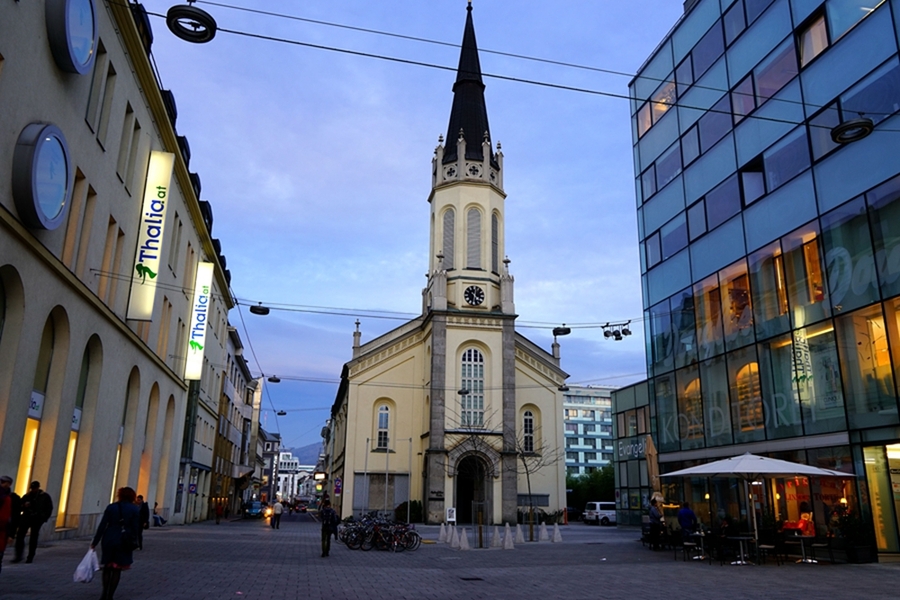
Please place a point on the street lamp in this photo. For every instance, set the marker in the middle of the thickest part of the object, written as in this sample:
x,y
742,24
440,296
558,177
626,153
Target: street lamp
x,y
274,379
259,309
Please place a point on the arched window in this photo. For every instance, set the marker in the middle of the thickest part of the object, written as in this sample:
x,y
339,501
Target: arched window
x,y
528,432
472,402
495,243
448,248
36,407
473,239
384,421
80,392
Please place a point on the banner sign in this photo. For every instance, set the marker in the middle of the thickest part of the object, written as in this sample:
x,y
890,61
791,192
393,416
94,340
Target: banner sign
x,y
150,236
193,367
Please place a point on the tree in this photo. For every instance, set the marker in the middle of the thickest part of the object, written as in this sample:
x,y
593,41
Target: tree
x,y
599,485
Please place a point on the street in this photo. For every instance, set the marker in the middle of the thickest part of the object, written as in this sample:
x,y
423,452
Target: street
x,y
249,560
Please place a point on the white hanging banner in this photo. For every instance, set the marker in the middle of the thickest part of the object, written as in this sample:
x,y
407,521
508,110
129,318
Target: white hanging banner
x,y
193,367
150,236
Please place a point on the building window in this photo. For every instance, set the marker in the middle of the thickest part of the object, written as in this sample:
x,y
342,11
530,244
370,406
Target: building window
x,y
589,456
653,249
587,414
573,456
572,413
473,239
383,424
813,40
528,432
472,403
572,427
495,243
708,50
448,247
607,429
589,427
590,442
572,442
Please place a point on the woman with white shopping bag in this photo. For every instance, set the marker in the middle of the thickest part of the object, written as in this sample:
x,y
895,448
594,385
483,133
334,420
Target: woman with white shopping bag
x,y
117,536
84,573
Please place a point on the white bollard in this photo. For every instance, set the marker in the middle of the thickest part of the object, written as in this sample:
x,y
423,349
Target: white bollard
x,y
464,540
507,539
520,538
543,536
496,542
557,536
442,538
454,538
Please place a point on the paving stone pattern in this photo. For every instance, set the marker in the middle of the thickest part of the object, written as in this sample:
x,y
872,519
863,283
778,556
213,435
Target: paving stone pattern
x,y
248,560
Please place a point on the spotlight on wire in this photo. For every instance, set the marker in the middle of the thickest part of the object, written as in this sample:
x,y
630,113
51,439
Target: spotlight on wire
x,y
616,331
274,379
259,309
281,413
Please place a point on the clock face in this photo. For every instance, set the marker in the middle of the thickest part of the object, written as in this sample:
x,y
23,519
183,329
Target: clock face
x,y
474,295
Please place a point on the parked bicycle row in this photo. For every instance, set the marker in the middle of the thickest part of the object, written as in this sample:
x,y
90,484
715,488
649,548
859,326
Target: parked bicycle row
x,y
369,532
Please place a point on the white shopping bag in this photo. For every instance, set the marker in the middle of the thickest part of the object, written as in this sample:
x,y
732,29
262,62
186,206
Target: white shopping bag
x,y
84,573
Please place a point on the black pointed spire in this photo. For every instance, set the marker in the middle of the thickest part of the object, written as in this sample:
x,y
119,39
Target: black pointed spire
x,y
469,113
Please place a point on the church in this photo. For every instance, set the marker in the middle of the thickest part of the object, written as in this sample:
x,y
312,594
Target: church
x,y
454,411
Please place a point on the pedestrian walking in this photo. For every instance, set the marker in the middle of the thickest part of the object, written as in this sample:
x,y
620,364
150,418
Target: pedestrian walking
x,y
116,533
277,509
144,514
220,510
37,506
329,526
9,513
656,526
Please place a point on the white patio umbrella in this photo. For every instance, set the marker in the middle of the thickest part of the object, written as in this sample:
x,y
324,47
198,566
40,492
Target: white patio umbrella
x,y
750,467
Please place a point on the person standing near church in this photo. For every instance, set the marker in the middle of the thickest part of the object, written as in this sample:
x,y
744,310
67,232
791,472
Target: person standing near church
x,y
37,506
9,513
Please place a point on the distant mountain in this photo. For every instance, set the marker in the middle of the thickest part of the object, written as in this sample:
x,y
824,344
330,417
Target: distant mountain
x,y
307,455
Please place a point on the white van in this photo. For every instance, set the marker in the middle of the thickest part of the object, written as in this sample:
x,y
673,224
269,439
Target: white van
x,y
600,513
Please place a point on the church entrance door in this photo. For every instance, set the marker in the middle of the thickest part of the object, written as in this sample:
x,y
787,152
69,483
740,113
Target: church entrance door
x,y
472,491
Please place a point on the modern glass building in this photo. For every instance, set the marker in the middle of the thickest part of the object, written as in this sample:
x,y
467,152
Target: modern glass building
x,y
770,258
587,414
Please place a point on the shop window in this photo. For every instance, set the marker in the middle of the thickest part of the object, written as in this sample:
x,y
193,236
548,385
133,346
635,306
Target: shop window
x,y
804,270
723,202
716,410
882,489
708,50
708,311
666,413
715,124
843,15
690,408
786,159
690,145
866,368
747,418
816,371
684,76
850,264
743,99
820,127
776,376
753,181
668,166
884,218
813,40
648,182
696,215
769,291
775,72
661,337
673,236
653,249
738,321
734,22
684,326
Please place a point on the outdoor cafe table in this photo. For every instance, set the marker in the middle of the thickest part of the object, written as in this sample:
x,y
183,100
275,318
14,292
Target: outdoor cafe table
x,y
804,558
742,542
701,536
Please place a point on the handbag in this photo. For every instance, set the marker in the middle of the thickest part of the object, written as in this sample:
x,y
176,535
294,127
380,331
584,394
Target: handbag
x,y
127,540
84,572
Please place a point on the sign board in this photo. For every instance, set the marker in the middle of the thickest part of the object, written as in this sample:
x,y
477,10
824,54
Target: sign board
x,y
193,366
150,236
76,419
192,488
36,405
451,515
338,486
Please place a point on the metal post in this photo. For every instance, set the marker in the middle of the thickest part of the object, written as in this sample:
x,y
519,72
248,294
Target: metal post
x,y
409,487
387,461
366,475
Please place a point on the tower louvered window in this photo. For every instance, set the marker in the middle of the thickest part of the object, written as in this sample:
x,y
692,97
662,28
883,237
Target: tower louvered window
x,y
495,244
473,239
472,402
449,225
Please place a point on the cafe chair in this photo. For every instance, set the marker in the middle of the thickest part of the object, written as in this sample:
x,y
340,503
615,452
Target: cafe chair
x,y
822,543
769,545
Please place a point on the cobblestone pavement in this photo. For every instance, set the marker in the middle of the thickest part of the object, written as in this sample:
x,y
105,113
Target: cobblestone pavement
x,y
249,560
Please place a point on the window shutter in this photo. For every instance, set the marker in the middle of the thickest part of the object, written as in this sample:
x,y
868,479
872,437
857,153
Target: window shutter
x,y
495,244
449,224
473,239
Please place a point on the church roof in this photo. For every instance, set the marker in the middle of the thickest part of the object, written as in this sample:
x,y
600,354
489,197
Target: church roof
x,y
469,112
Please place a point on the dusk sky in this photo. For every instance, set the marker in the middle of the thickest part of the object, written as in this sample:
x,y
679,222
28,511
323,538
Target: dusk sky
x,y
317,164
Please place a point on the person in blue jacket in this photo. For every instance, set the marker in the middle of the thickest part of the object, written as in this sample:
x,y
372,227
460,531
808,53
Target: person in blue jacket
x,y
117,536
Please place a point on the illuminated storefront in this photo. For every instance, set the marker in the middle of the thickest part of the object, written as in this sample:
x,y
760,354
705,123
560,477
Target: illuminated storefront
x,y
770,258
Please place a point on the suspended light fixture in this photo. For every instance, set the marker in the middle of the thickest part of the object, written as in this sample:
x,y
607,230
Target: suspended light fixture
x,y
852,130
190,23
274,379
259,309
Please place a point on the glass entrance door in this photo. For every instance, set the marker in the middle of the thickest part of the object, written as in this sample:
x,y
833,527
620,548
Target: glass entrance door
x,y
883,475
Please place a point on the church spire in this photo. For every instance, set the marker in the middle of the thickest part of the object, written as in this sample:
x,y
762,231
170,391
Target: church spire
x,y
468,117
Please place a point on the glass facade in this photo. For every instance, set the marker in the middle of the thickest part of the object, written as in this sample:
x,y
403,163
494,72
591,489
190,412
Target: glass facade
x,y
785,337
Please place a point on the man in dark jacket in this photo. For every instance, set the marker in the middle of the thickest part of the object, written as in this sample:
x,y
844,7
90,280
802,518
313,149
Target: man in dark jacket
x,y
36,510
144,516
329,526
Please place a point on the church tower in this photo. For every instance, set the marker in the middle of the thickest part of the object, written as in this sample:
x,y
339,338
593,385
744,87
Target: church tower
x,y
454,411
